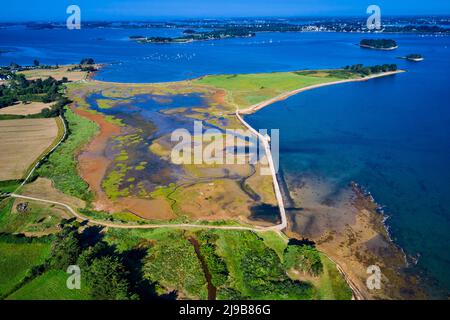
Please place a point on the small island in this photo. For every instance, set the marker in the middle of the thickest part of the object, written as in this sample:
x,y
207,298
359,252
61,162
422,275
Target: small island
x,y
191,35
378,44
414,57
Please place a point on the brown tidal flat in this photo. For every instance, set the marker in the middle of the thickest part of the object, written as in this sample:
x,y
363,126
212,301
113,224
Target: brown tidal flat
x,y
347,228
93,164
209,192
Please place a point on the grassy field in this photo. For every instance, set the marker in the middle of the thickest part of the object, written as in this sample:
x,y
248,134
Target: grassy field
x,y
50,286
16,259
39,219
58,73
61,166
247,89
175,266
171,260
256,270
9,185
23,141
23,109
332,285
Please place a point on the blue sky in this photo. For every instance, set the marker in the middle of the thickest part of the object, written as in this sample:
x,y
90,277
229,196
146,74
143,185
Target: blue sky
x,y
142,9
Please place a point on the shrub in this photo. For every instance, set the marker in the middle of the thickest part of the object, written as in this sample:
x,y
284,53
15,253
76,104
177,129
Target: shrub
x,y
303,258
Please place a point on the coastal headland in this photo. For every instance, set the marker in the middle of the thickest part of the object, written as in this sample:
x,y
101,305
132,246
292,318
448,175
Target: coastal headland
x,y
118,154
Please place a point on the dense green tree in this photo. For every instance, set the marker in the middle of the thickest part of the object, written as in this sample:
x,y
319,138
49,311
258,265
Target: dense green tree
x,y
106,277
379,43
87,61
66,248
216,265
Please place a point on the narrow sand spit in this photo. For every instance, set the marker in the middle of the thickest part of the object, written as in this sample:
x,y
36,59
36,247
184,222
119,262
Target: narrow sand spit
x,y
286,95
92,161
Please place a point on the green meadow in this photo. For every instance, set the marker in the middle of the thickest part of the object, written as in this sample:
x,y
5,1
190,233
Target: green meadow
x,y
247,89
50,286
61,166
16,261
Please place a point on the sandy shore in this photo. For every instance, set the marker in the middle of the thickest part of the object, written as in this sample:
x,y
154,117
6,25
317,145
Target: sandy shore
x,y
345,225
286,95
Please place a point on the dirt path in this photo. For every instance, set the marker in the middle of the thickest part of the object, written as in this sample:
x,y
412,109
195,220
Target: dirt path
x,y
143,226
265,140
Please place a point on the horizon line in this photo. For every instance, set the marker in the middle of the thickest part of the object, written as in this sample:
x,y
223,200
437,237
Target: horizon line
x,y
281,17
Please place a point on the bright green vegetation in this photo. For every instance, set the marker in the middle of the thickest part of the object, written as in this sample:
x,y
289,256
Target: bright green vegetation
x,y
104,268
414,57
242,264
17,258
35,268
248,89
21,89
363,71
9,186
61,166
110,103
331,284
216,265
378,43
50,286
5,211
36,219
275,242
119,217
114,180
145,264
111,184
126,240
173,263
305,259
86,64
256,270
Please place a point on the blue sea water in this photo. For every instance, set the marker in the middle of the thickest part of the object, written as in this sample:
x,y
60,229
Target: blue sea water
x,y
391,135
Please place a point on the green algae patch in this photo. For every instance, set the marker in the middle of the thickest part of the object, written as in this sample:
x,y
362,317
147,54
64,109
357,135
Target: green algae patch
x,y
106,104
123,156
111,184
141,166
159,150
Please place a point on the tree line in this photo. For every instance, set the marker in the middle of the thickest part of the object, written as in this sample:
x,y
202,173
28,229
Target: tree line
x,y
39,90
362,70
